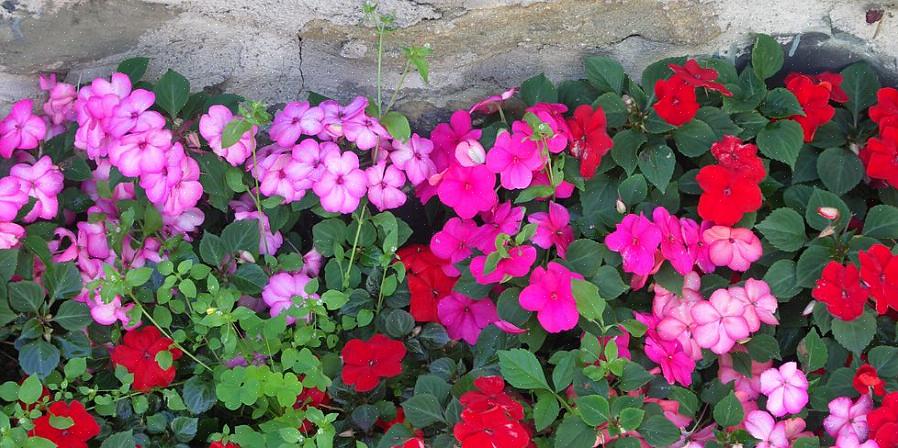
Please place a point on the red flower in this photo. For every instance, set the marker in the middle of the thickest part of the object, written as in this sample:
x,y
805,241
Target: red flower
x,y
677,103
880,155
725,196
218,444
590,139
490,429
693,74
83,426
866,379
883,422
490,394
138,355
836,93
414,442
879,271
814,100
885,111
426,289
313,397
738,158
418,257
840,289
366,362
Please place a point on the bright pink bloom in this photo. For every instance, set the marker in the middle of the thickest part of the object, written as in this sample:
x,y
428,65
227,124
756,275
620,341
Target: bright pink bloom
x,y
517,264
181,179
109,313
514,157
470,152
636,239
342,184
142,153
673,240
184,223
553,228
60,104
133,115
676,365
335,116
385,186
296,119
43,182
847,419
720,322
308,162
413,157
468,190
748,387
786,389
21,129
464,317
212,126
447,137
12,198
760,305
272,173
563,190
269,242
284,291
490,104
735,248
502,219
453,242
10,234
552,115
550,295
363,130
763,427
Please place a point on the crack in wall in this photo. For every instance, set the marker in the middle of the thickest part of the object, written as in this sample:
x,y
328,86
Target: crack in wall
x,y
302,78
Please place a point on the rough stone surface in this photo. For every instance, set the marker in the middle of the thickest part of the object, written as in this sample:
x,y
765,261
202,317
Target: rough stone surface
x,y
278,50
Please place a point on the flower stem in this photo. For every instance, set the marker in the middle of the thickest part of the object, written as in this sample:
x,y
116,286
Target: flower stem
x,y
405,71
355,244
166,334
380,53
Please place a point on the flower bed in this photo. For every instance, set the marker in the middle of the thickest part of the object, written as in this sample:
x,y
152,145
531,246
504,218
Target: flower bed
x,y
700,257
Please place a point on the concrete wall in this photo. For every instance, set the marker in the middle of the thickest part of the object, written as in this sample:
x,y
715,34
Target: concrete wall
x,y
276,50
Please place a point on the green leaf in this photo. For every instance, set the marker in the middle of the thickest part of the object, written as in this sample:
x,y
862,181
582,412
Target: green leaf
x,y
199,395
615,109
139,276
839,169
781,140
605,74
522,370
328,233
860,82
885,360
73,316
694,138
184,428
63,281
397,125
659,431
75,368
728,411
212,249
212,177
812,352
423,410
399,323
589,303
123,439
594,409
881,222
633,190
573,433
810,265
545,411
26,296
766,56
781,103
784,229
134,68
538,89
763,348
38,357
631,418
250,278
657,164
583,257
233,132
822,198
634,377
781,278
241,235
172,91
626,145
9,259
855,335
30,390
747,95
533,192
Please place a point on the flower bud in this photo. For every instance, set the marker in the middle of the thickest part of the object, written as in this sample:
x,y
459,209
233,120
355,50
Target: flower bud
x,y
809,308
247,257
829,230
470,152
620,206
830,213
193,140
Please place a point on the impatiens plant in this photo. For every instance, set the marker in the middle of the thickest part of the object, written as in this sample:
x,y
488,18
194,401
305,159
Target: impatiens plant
x,y
699,257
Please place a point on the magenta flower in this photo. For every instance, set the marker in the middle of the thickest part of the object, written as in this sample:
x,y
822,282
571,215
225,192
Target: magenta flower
x,y
12,198
453,242
142,153
760,305
770,433
133,115
748,386
311,263
491,103
636,239
10,234
553,115
553,228
363,130
674,247
502,219
514,157
336,116
212,126
447,137
413,157
307,166
735,248
342,185
21,129
109,313
470,152
786,389
847,419
719,322
385,186
464,318
43,182
296,119
517,264
60,104
468,190
283,290
551,296
676,365
177,188
693,235
272,173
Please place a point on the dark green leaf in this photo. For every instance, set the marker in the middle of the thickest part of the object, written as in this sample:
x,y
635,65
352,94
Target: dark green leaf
x,y
659,431
728,411
839,169
855,335
250,278
38,357
73,316
812,352
538,89
26,296
605,74
423,410
860,82
521,369
766,56
172,91
241,235
573,433
694,138
784,229
881,222
781,140
657,164
781,103
134,68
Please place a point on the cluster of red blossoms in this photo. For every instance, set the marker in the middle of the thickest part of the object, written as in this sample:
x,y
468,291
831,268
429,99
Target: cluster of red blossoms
x,y
589,138
867,380
137,353
731,187
366,362
845,289
880,155
677,102
427,281
80,426
883,422
490,418
814,93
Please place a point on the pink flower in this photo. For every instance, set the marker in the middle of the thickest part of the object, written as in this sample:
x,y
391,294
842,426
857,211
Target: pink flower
x,y
342,184
553,228
366,132
336,116
552,115
491,103
21,129
517,264
786,389
847,419
448,137
763,427
550,295
514,157
133,115
43,182
563,190
109,313
296,119
12,198
272,172
676,365
308,162
280,291
464,318
269,242
760,305
311,263
636,239
468,190
177,188
10,234
693,234
502,219
735,248
719,322
453,242
470,152
413,157
184,223
748,387
212,126
142,153
673,240
60,104
385,186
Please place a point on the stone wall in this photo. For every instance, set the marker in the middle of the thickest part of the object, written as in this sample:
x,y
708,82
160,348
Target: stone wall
x,y
277,50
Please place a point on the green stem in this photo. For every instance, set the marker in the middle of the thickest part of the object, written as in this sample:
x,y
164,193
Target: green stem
x,y
405,71
502,114
380,53
166,334
380,293
355,244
